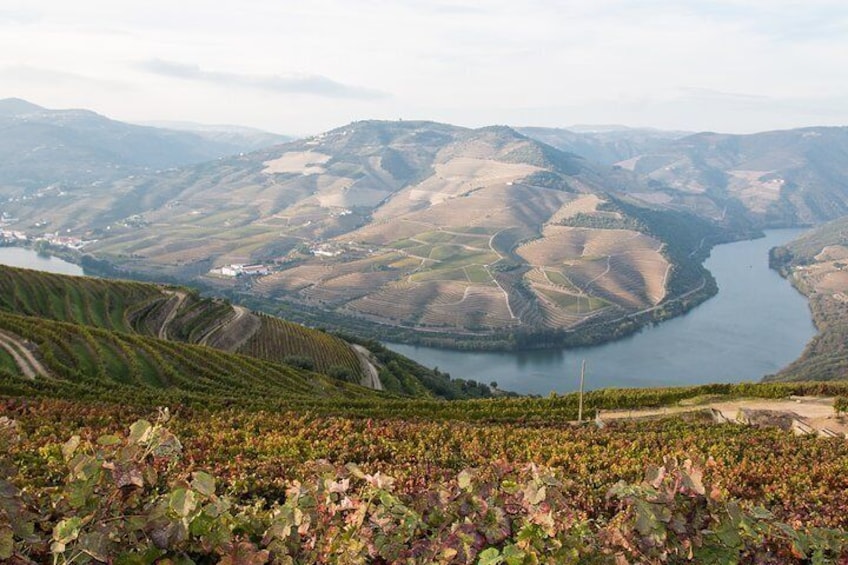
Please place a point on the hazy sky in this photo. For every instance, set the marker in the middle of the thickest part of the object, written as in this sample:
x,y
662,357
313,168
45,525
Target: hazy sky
x,y
307,66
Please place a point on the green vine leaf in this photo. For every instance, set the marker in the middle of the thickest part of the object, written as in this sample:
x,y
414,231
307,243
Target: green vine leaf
x,y
70,447
182,502
203,483
7,542
140,432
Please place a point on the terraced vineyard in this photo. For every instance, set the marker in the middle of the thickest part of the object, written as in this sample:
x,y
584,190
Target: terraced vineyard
x,y
521,263
282,441
278,341
128,311
90,301
93,363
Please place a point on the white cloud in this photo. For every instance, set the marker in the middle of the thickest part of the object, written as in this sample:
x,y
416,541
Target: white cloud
x,y
300,84
304,66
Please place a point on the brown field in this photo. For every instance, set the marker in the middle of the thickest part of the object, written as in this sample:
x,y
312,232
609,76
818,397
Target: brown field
x,y
753,191
454,178
343,289
299,162
292,279
584,204
833,253
399,302
620,266
480,307
386,232
834,281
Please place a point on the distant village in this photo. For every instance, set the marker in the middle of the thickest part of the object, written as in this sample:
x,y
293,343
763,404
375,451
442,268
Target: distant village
x,y
260,269
14,237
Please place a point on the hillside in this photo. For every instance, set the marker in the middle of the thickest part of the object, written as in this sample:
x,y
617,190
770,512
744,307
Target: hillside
x,y
47,155
230,139
777,179
604,144
103,318
65,360
422,230
817,265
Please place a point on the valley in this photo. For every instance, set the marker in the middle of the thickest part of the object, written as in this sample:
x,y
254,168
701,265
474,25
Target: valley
x,y
272,416
296,283
430,232
437,235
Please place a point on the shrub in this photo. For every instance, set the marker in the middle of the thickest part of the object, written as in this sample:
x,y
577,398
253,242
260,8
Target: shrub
x,y
300,362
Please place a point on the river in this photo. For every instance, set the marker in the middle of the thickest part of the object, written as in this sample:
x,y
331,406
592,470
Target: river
x,y
29,259
754,326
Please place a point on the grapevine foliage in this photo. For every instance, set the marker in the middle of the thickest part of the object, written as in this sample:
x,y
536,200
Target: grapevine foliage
x,y
133,498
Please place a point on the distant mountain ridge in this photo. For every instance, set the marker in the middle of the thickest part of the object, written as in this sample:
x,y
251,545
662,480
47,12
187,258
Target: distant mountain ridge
x,y
779,178
237,138
604,144
40,148
773,179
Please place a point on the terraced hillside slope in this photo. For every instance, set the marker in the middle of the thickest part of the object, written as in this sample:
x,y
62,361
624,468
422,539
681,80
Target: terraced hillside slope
x,y
103,318
410,224
445,232
817,265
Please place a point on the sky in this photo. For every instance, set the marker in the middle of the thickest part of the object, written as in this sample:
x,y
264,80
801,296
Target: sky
x,y
300,68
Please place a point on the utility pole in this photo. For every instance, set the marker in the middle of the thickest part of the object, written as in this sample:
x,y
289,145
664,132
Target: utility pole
x,y
580,407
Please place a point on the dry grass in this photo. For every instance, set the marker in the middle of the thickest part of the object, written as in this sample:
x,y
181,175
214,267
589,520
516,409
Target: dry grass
x,y
292,279
583,204
753,191
297,162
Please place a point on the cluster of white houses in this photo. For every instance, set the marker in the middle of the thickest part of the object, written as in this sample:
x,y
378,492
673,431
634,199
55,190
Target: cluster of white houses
x,y
236,270
11,236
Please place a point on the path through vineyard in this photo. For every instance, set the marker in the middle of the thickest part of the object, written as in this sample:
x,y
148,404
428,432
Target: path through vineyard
x,y
177,303
372,377
232,332
816,412
26,361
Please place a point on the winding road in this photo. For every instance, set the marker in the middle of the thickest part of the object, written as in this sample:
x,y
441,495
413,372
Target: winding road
x,y
25,360
181,296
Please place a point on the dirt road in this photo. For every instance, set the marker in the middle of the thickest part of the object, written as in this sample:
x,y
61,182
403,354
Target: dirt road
x,y
372,377
26,361
817,412
180,298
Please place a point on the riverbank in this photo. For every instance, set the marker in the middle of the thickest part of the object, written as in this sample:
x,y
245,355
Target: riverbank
x,y
817,266
753,327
